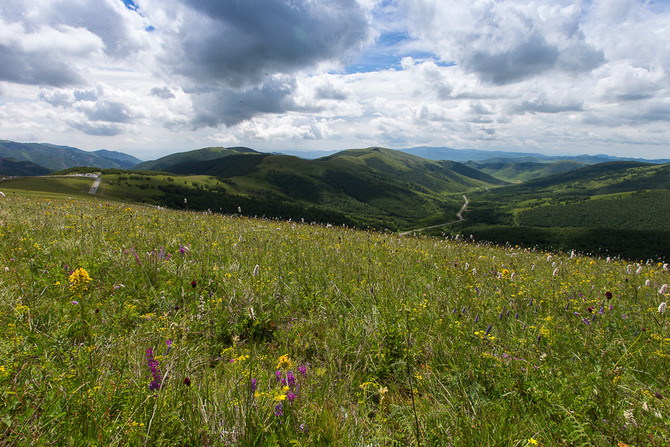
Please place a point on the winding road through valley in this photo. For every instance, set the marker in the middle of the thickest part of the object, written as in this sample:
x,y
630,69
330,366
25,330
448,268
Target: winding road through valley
x,y
459,215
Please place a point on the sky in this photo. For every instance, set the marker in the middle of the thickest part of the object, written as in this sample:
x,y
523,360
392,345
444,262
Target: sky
x,y
154,77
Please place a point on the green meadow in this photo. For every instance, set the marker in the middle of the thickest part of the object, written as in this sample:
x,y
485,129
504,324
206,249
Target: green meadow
x,y
137,325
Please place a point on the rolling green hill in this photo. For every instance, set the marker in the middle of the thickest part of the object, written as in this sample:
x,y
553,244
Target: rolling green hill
x,y
10,167
374,186
521,170
204,154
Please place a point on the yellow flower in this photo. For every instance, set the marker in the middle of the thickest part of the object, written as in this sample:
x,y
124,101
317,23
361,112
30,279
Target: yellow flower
x,y
79,279
532,441
284,361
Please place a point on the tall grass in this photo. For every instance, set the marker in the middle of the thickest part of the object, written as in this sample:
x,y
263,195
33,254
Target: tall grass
x,y
201,329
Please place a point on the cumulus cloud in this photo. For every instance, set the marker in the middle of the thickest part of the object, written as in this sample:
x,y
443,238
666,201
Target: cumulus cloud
x,y
542,105
505,41
230,106
97,129
114,112
162,92
236,43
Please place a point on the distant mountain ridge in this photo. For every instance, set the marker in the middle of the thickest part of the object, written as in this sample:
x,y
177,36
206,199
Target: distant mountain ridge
x,y
463,155
55,158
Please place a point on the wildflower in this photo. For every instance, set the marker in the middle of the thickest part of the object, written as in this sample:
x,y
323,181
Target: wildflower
x,y
79,279
187,381
278,410
488,329
278,375
284,361
253,385
156,383
662,308
74,302
302,370
628,414
303,427
663,290
257,271
194,283
290,396
608,295
290,379
555,271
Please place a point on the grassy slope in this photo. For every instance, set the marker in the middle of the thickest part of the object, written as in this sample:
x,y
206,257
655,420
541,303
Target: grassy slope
x,y
477,345
521,171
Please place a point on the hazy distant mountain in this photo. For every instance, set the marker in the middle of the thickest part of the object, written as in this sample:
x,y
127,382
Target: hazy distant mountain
x,y
462,155
124,160
10,167
57,158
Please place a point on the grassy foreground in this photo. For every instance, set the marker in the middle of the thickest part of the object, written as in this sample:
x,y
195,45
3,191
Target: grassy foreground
x,y
129,325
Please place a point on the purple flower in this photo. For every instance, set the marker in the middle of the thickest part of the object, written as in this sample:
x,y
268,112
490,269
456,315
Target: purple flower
x,y
290,396
302,370
488,329
303,427
253,385
74,302
156,383
290,379
278,410
278,375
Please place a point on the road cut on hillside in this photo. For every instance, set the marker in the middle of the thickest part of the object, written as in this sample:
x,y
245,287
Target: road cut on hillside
x,y
459,215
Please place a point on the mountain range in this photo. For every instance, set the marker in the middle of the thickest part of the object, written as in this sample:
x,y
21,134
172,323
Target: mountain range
x,y
55,158
508,166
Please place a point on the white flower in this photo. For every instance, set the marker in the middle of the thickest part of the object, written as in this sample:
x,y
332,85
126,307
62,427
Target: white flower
x,y
628,414
257,271
639,270
647,283
556,271
662,307
663,289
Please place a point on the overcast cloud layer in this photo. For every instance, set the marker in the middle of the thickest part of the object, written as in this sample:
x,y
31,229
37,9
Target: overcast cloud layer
x,y
151,77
